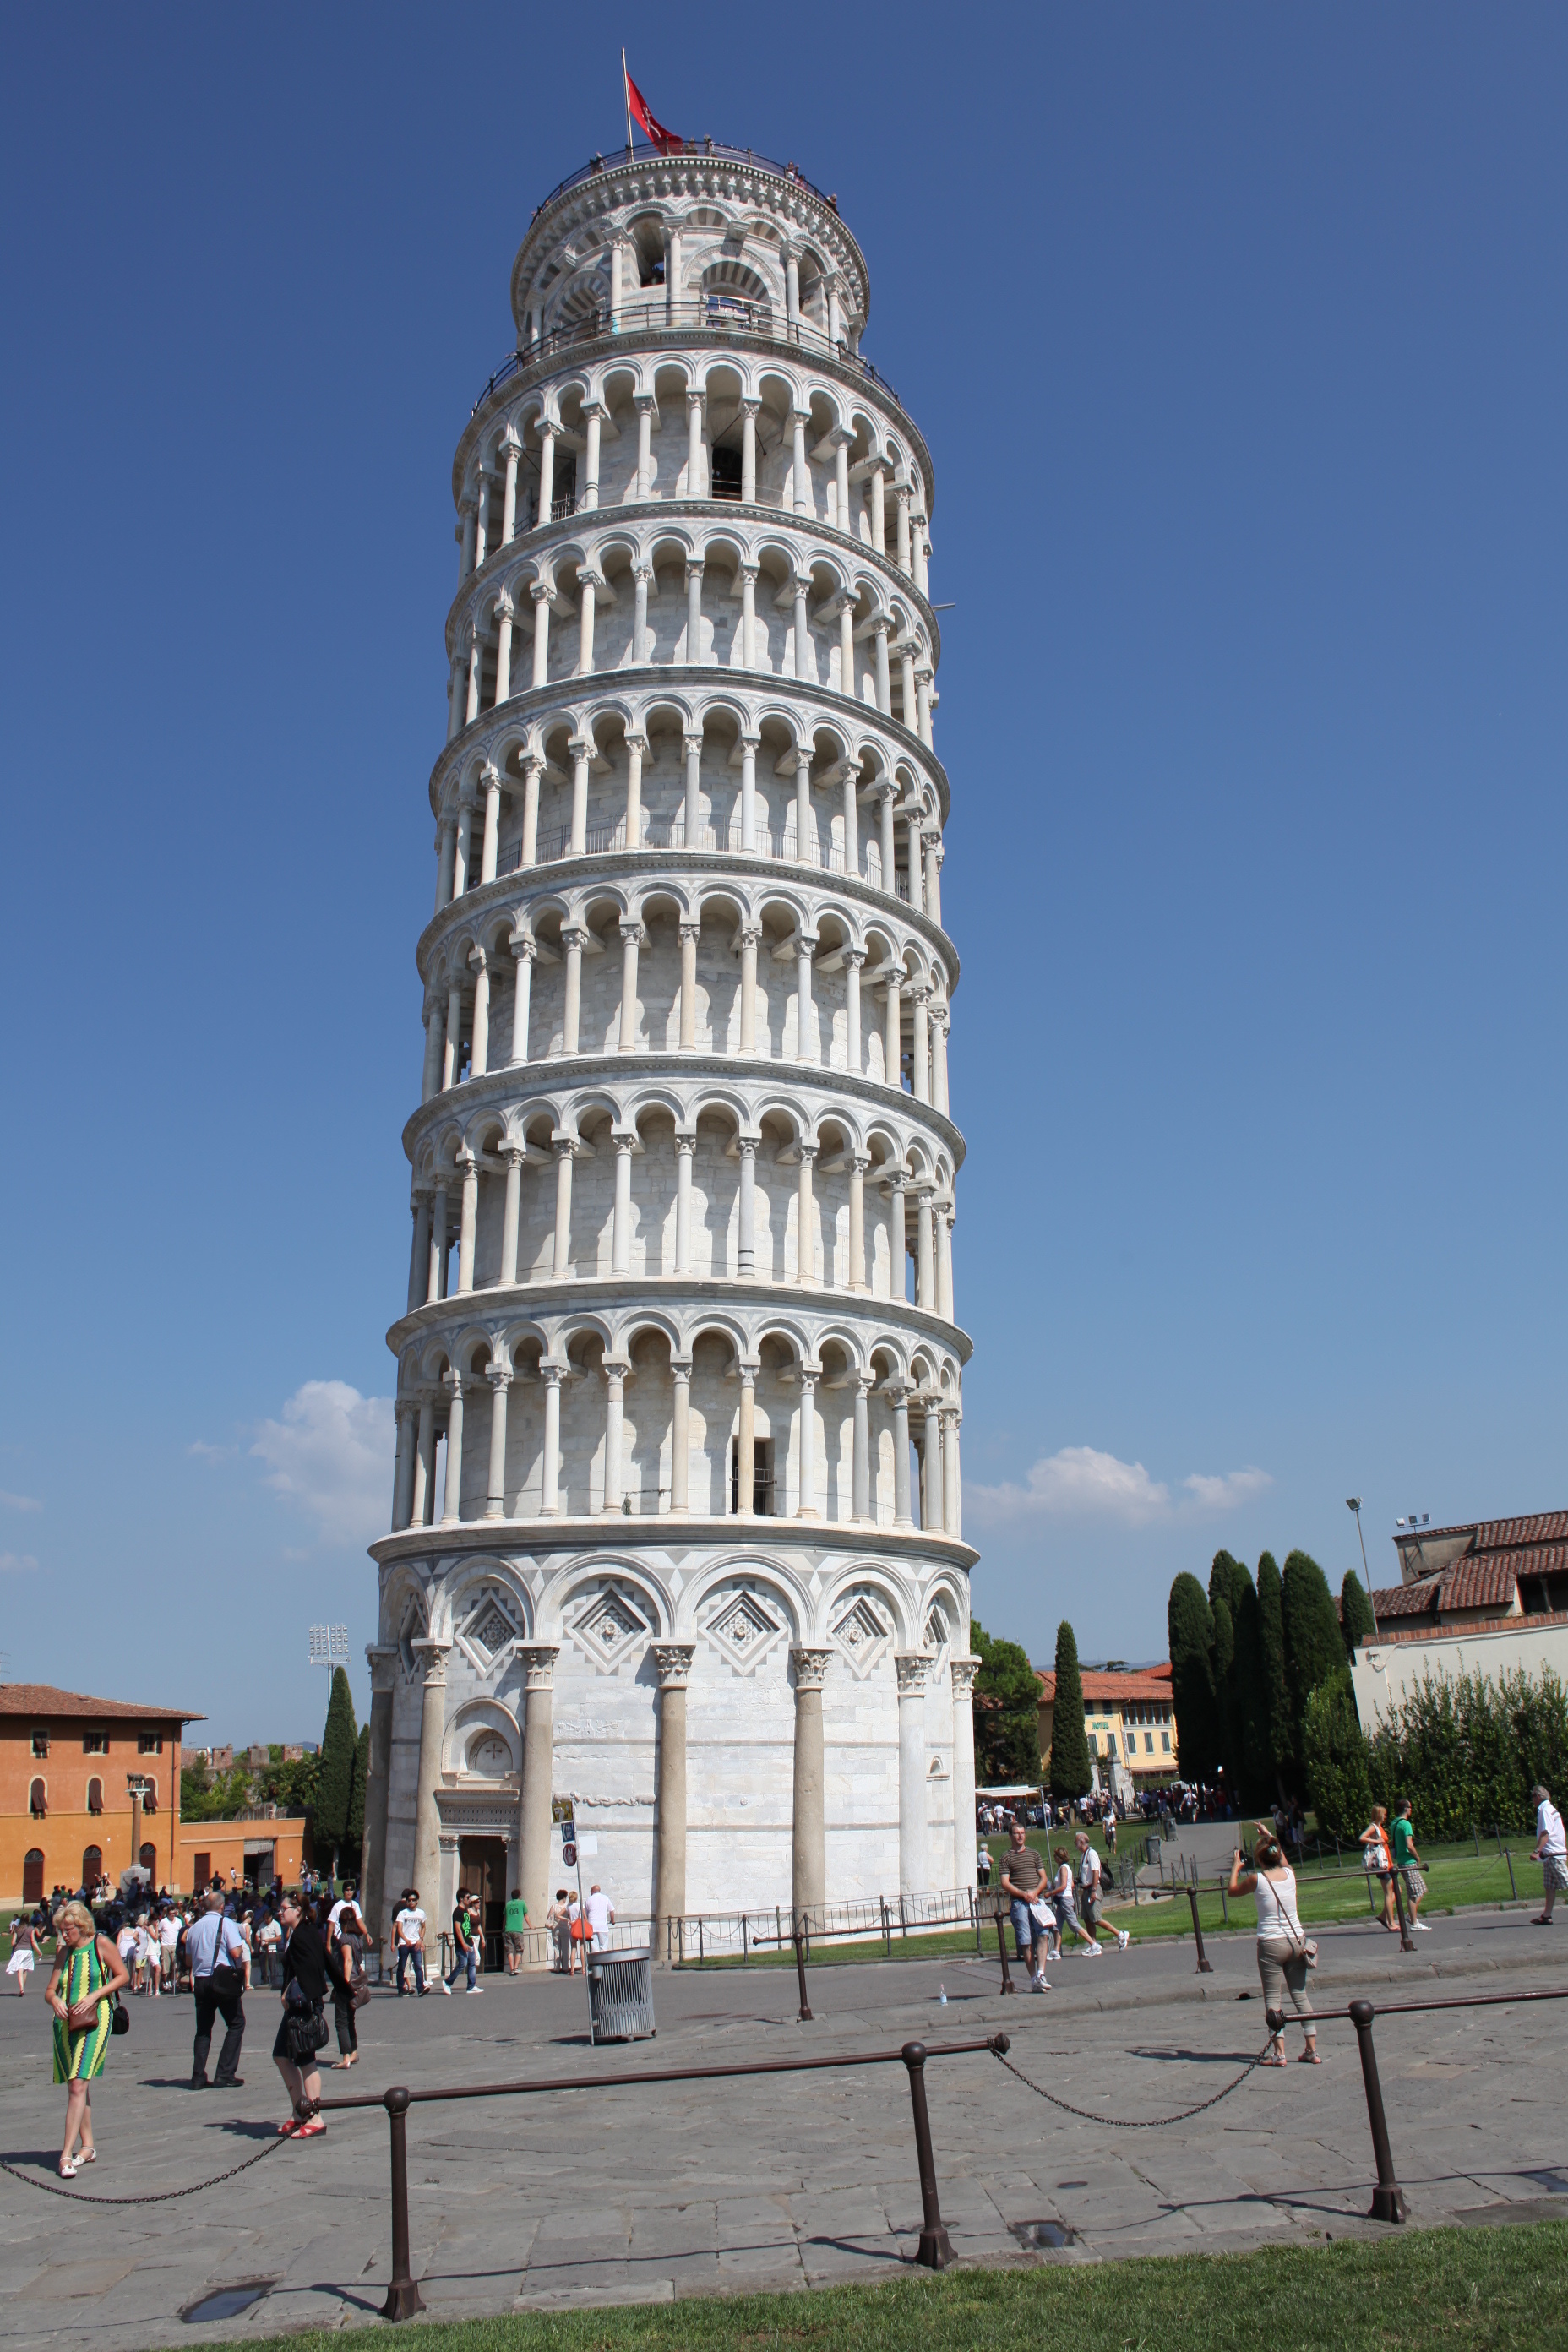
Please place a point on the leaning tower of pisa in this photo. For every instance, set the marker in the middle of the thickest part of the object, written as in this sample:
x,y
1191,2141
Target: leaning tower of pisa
x,y
677,1520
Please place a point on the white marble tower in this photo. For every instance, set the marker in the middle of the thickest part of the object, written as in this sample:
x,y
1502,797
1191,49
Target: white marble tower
x,y
677,1520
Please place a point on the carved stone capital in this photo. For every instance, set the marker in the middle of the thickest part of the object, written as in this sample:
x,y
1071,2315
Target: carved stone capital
x,y
810,1668
673,1660
913,1667
538,1663
964,1671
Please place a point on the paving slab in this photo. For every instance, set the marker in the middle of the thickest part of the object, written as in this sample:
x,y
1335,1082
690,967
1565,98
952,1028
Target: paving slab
x,y
652,2192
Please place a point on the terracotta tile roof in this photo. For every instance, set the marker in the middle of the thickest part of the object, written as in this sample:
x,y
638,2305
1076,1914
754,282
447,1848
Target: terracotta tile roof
x,y
1151,1685
1478,1581
1498,1535
1511,1535
1406,1599
43,1699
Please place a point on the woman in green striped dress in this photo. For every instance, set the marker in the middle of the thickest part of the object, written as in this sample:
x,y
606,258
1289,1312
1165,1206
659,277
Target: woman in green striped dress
x,y
88,1974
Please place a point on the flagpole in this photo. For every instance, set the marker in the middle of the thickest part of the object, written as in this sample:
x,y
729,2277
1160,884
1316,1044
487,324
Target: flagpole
x,y
626,94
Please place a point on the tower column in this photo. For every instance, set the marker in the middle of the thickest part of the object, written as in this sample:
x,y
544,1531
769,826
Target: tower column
x,y
808,1861
965,1849
500,1378
432,1732
913,1856
673,1661
534,1791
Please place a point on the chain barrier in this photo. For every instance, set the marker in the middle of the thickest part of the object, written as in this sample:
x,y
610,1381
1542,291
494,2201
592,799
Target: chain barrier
x,y
1134,2123
155,2197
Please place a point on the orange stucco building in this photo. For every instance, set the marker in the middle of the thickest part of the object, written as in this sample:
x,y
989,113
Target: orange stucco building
x,y
66,1810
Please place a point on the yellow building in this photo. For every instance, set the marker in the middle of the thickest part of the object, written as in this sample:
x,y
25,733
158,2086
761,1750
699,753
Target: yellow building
x,y
1128,1719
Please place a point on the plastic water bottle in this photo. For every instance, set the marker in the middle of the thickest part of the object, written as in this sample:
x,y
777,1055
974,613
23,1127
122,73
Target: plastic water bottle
x,y
942,1996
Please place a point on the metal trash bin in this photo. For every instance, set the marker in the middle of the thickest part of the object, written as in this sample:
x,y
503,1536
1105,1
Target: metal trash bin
x,y
620,1994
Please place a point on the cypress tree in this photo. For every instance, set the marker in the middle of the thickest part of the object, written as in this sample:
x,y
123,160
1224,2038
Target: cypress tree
x,y
1339,1778
1226,1697
1070,1775
355,1840
335,1787
1314,1648
1254,1765
1356,1621
1006,1710
1190,1623
1277,1743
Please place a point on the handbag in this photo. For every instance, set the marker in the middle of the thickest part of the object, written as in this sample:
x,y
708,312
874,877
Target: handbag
x,y
120,2022
306,2031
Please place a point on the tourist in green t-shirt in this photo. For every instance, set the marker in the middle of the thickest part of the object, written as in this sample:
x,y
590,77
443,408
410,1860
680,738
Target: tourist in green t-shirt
x,y
1406,1859
516,1928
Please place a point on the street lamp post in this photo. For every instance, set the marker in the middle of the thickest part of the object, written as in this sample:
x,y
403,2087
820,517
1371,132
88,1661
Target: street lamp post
x,y
1353,1503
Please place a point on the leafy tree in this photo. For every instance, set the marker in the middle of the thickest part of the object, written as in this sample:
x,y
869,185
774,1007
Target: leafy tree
x,y
1071,1774
1314,1648
334,1786
1006,1710
1190,1623
1276,1745
1339,1778
292,1786
213,1796
1356,1621
355,1837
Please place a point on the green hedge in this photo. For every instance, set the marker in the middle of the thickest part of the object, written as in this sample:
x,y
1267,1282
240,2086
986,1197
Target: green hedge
x,y
1470,1750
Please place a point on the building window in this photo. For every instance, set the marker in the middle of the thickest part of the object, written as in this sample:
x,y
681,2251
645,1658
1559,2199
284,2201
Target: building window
x,y
32,1876
37,1801
40,1743
1148,1743
1165,1741
95,1743
148,1858
1093,1745
92,1866
1111,1743
95,1796
149,1744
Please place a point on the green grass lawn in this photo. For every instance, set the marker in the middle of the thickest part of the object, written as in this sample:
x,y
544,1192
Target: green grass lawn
x,y
1472,2290
1456,1881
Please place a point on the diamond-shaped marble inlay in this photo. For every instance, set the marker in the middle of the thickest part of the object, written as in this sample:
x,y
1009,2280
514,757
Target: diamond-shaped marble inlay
x,y
858,1631
936,1631
491,1629
608,1627
742,1627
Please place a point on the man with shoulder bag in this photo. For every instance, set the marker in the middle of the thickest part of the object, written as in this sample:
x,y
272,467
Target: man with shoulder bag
x,y
219,1964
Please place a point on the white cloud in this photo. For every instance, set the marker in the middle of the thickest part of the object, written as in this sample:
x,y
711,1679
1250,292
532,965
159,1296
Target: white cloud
x,y
1079,1482
20,1502
15,1562
331,1453
1225,1493
206,1452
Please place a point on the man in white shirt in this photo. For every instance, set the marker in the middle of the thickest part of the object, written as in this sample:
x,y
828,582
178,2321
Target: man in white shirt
x,y
408,1941
1551,1852
601,1918
1088,1880
168,1940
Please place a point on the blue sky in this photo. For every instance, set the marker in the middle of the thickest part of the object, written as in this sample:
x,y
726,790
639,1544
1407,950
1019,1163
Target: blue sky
x,y
1238,338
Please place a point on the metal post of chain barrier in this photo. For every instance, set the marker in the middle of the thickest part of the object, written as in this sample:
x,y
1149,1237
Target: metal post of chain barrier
x,y
804,2017
1508,1857
1407,1941
886,1931
1007,1984
1388,2198
403,2296
1206,1966
935,2249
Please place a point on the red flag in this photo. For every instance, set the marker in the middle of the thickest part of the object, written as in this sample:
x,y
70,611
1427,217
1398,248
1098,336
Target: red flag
x,y
668,142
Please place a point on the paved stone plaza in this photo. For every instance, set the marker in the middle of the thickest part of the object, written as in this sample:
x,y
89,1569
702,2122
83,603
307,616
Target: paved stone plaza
x,y
792,2181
